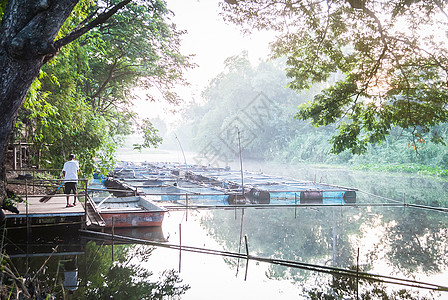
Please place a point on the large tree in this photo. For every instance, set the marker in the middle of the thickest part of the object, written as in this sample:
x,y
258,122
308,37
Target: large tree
x,y
28,40
82,101
389,59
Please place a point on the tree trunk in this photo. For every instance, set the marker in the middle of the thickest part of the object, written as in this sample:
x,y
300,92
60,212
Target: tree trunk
x,y
27,34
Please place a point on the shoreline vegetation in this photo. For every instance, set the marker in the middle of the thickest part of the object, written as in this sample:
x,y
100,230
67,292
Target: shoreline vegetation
x,y
406,169
422,170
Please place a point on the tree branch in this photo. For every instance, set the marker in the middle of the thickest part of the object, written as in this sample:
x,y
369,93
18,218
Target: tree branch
x,y
103,17
440,6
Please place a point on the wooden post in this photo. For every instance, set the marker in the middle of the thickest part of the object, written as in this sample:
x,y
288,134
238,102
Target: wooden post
x,y
186,204
20,155
28,227
295,207
113,233
239,244
85,206
241,164
38,158
180,246
14,147
357,275
247,255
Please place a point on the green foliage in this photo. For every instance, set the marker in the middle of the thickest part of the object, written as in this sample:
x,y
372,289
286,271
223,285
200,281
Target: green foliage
x,y
82,101
388,57
405,168
150,136
2,8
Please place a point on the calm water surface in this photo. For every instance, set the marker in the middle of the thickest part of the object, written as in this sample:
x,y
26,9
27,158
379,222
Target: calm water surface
x,y
375,237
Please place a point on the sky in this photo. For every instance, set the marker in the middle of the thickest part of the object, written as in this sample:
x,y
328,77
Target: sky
x,y
211,40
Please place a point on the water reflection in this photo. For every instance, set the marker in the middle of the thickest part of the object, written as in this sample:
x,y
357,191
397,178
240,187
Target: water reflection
x,y
154,234
70,267
411,243
415,241
399,242
66,265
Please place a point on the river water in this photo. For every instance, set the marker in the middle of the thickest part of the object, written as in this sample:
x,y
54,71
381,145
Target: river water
x,y
380,236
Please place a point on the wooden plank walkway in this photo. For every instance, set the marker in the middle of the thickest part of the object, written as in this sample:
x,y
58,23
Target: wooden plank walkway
x,y
37,214
54,207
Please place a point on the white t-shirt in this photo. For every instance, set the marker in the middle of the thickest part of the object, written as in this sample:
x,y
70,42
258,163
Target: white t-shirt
x,y
71,168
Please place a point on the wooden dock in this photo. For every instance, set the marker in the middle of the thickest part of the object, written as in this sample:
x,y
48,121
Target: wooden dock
x,y
52,213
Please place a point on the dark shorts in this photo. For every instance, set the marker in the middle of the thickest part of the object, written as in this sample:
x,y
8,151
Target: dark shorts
x,y
70,187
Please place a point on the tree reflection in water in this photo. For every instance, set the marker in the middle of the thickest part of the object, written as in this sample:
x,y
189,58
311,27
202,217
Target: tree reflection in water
x,y
415,241
125,279
342,287
411,241
98,274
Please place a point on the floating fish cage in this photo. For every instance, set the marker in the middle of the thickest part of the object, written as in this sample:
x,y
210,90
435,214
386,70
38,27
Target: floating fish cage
x,y
196,185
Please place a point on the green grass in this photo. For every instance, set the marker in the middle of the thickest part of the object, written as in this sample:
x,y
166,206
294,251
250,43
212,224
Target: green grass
x,y
405,168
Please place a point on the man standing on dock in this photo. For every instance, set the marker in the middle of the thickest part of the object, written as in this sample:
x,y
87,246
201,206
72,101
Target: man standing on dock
x,y
70,171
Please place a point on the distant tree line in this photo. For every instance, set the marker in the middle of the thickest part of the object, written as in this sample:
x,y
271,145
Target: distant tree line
x,y
271,131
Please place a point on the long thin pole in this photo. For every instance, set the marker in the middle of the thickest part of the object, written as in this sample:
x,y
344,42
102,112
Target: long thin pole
x,y
180,246
247,255
113,235
241,163
239,245
295,205
357,275
185,160
28,227
186,204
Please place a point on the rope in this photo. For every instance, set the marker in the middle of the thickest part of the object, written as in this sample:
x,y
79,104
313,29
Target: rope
x,y
274,206
442,209
377,196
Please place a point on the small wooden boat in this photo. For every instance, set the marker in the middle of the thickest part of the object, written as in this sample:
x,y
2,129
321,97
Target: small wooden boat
x,y
136,211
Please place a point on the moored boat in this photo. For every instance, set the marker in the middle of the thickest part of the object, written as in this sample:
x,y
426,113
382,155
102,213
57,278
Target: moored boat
x,y
136,211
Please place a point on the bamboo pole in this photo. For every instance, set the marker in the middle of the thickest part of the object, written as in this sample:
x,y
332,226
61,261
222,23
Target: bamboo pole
x,y
180,246
113,239
85,205
241,164
186,204
28,228
357,275
239,244
295,207
247,256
